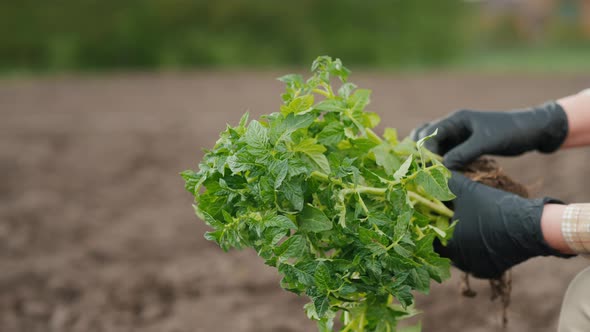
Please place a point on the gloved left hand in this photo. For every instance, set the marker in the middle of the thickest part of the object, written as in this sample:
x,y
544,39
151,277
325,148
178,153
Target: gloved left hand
x,y
496,229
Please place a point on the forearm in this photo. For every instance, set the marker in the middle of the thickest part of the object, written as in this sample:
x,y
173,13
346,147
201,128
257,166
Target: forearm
x,y
566,228
577,108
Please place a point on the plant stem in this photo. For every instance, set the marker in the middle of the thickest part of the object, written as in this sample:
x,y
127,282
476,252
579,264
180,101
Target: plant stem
x,y
373,137
441,209
322,92
365,190
435,206
326,178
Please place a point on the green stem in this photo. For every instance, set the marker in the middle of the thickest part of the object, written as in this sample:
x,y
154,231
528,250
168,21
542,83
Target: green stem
x,y
365,190
322,92
348,327
440,209
363,204
326,178
362,323
329,89
435,206
373,137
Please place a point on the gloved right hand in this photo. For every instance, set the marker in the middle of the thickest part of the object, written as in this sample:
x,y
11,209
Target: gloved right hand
x,y
466,135
495,230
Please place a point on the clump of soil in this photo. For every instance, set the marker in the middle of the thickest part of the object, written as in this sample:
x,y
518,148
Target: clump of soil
x,y
488,171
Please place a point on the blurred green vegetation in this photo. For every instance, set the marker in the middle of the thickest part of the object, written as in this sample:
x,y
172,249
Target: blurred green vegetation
x,y
74,35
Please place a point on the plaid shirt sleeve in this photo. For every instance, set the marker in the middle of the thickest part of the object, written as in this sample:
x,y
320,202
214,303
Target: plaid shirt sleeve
x,y
575,227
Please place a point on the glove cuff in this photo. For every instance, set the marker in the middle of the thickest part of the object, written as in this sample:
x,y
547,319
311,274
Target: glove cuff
x,y
543,248
554,126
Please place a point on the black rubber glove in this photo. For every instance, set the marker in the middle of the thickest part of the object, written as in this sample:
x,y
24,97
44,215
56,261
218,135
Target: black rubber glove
x,y
465,135
496,229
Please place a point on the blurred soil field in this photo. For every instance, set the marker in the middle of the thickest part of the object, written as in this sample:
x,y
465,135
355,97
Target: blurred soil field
x,y
98,234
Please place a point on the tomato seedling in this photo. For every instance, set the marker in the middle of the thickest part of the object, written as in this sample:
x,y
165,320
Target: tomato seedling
x,y
347,217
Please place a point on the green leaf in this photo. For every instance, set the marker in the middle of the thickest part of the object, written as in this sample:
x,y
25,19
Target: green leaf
x,y
256,135
371,119
420,143
401,225
292,80
385,158
315,152
402,171
244,120
323,277
280,170
404,296
359,100
295,246
294,122
313,220
332,134
305,271
294,193
282,222
390,135
321,303
331,105
302,104
420,280
402,251
192,181
346,89
326,324
435,183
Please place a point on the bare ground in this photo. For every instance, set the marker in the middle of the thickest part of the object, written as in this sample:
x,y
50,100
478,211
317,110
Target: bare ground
x,y
97,234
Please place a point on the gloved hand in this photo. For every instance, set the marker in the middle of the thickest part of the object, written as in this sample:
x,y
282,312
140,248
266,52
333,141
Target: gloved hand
x,y
496,229
465,135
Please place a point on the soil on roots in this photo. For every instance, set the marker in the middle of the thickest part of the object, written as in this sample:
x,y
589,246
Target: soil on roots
x,y
487,171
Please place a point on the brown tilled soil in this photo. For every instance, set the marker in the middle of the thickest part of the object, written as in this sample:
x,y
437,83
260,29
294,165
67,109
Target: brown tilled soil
x,y
97,234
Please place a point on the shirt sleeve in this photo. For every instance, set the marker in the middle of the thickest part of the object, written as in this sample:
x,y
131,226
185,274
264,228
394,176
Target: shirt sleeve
x,y
575,227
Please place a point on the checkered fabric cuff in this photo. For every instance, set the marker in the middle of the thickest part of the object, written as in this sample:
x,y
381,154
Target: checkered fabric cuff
x,y
575,227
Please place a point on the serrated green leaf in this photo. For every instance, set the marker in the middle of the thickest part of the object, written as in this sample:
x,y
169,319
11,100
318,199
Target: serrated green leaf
x,y
345,90
331,105
256,135
301,104
315,152
385,158
404,296
294,193
322,277
401,225
282,222
292,80
420,280
280,170
312,219
321,304
390,135
371,119
332,134
359,100
402,171
435,184
295,246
